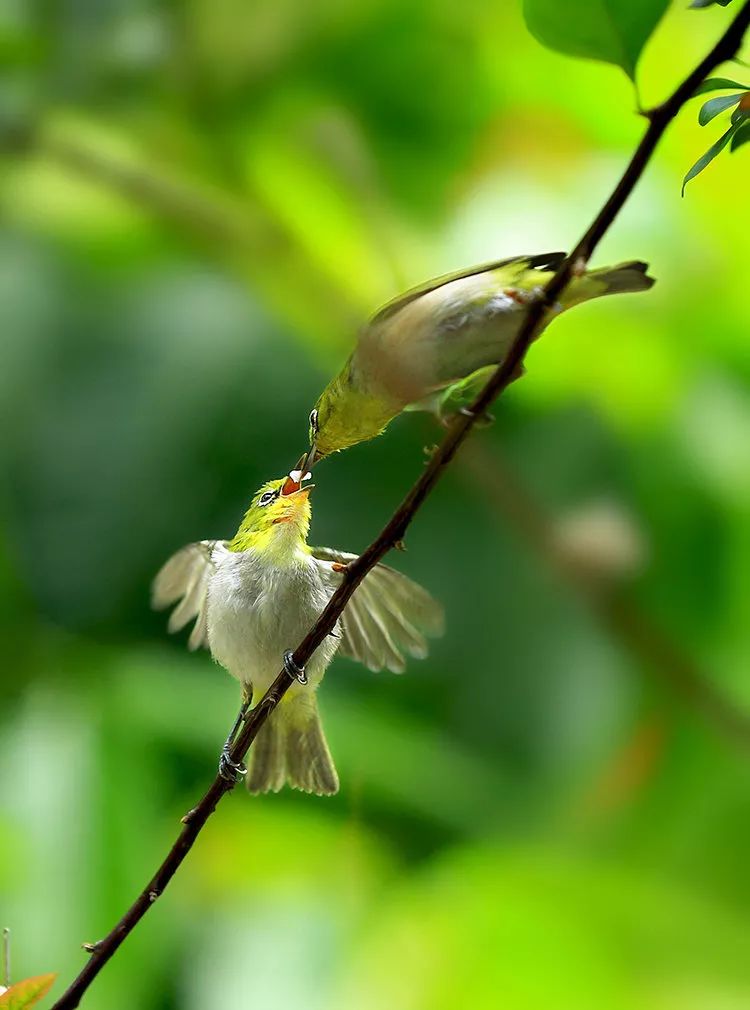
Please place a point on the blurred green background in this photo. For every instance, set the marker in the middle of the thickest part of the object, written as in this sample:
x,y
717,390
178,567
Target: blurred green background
x,y
201,200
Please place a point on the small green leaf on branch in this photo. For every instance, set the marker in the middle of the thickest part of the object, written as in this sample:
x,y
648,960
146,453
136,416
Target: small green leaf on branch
x,y
715,106
697,4
718,84
709,156
741,136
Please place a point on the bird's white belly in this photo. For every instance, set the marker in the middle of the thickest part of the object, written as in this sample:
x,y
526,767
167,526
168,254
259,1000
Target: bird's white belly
x,y
257,611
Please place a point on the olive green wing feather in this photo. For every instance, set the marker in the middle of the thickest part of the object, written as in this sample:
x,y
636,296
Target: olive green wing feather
x,y
544,261
184,580
388,616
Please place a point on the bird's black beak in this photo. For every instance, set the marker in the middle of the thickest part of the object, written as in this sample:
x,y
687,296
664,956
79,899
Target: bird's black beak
x,y
307,461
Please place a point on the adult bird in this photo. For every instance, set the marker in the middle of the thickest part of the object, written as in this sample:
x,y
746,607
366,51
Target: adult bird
x,y
432,348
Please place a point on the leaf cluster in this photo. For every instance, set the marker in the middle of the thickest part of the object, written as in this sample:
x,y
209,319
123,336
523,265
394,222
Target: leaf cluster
x,y
616,31
738,132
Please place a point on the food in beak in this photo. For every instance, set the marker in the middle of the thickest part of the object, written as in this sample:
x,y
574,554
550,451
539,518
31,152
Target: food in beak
x,y
294,482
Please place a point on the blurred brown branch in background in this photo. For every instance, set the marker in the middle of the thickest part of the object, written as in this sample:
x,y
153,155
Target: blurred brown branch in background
x,y
209,214
659,119
626,620
241,232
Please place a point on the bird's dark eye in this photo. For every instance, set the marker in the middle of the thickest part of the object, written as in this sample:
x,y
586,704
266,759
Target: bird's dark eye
x,y
314,420
267,497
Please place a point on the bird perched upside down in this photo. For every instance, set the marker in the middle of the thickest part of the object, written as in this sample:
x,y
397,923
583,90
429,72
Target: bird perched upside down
x,y
427,348
256,596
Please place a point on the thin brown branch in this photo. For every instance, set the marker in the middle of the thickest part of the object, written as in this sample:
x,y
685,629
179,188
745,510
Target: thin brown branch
x,y
617,611
395,529
6,958
632,625
207,212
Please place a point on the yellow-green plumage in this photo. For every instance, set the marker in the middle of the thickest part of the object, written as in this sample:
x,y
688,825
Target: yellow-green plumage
x,y
426,342
258,527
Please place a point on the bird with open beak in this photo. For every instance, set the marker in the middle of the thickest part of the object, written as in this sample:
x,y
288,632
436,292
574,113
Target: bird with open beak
x,y
254,597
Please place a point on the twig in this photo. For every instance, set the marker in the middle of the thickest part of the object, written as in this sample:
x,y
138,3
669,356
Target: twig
x,y
214,219
647,640
6,957
659,119
628,622
240,231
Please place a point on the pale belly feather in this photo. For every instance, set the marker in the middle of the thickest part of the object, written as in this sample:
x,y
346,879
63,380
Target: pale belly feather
x,y
256,611
438,340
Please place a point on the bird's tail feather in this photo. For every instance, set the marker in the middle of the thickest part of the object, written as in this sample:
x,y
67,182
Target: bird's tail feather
x,y
631,276
291,748
267,771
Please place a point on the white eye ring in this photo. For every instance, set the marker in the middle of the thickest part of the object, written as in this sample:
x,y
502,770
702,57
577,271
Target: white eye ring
x,y
314,419
267,497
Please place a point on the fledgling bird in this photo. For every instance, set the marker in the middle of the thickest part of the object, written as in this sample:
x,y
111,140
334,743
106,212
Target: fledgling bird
x,y
427,348
255,596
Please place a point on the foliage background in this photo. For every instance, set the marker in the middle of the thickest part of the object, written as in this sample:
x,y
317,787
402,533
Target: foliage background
x,y
212,196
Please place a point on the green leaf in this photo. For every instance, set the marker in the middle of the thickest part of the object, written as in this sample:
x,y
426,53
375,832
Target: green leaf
x,y
715,106
614,31
709,156
741,136
27,993
718,84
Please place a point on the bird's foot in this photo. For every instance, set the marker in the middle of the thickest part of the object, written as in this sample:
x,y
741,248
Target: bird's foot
x,y
230,771
233,771
297,672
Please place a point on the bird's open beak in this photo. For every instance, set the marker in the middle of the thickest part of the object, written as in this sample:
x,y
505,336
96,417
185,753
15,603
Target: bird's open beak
x,y
307,461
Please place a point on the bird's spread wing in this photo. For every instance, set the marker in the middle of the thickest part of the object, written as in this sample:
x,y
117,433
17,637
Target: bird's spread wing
x,y
185,578
387,617
544,261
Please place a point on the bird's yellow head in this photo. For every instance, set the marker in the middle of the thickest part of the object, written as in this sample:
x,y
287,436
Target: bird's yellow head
x,y
278,519
345,415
